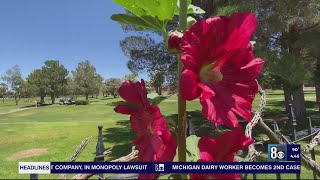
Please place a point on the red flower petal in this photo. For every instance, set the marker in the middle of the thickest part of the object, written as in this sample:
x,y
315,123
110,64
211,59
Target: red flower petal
x,y
153,138
133,92
241,27
242,67
174,41
188,85
217,150
230,98
253,69
148,176
201,40
206,92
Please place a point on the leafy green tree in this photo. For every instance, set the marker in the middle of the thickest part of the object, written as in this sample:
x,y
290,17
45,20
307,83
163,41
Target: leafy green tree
x,y
3,91
99,85
112,86
70,88
29,90
85,78
14,79
39,80
132,77
157,80
145,54
281,31
56,75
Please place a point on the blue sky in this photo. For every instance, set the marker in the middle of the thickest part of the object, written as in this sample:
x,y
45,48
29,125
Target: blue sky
x,y
70,31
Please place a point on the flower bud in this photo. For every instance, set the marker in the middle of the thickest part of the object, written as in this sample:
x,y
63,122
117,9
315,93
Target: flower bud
x,y
174,41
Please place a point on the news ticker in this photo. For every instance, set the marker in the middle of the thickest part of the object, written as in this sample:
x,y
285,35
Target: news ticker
x,y
284,152
288,167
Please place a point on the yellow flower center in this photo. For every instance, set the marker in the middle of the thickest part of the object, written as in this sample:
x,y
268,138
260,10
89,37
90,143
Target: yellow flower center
x,y
208,75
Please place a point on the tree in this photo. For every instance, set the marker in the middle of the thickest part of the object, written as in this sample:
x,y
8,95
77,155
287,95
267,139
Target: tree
x,y
112,86
157,80
281,31
85,78
14,79
3,91
56,75
145,54
131,77
29,90
98,85
70,88
317,81
39,80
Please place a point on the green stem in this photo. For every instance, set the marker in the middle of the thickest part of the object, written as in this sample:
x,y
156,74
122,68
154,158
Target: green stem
x,y
181,102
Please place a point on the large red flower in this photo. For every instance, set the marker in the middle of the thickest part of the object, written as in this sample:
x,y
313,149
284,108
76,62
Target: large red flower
x,y
222,149
154,140
219,66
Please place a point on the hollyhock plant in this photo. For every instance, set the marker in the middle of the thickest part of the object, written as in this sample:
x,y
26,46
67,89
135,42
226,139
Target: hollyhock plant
x,y
219,66
153,138
222,149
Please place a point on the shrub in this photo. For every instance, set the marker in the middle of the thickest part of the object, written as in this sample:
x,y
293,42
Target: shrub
x,y
82,102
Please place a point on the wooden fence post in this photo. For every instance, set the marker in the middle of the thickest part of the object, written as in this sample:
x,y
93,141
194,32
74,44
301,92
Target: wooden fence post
x,y
34,177
275,129
293,121
100,149
190,130
313,155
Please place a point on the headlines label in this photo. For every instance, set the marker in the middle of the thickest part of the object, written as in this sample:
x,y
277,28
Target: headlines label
x,y
166,167
34,168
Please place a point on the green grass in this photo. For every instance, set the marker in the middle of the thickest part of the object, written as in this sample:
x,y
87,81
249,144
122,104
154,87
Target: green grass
x,y
60,129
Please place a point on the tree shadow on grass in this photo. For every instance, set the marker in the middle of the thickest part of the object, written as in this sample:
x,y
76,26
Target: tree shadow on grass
x,y
120,137
115,103
29,106
106,98
281,104
201,126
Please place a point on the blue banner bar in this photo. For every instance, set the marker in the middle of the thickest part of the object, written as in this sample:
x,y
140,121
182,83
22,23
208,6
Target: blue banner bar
x,y
176,167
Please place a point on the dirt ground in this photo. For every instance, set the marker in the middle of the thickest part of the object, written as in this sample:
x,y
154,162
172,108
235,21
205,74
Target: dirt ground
x,y
28,153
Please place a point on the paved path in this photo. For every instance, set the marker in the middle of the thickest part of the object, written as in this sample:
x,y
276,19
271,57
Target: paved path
x,y
17,110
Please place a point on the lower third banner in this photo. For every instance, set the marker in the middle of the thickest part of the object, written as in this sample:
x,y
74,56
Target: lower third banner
x,y
165,167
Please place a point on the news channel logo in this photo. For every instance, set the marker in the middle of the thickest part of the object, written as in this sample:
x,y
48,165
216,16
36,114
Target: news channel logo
x,y
277,152
159,167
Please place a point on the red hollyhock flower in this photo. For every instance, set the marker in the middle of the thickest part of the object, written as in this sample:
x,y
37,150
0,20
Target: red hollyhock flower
x,y
220,67
222,149
154,140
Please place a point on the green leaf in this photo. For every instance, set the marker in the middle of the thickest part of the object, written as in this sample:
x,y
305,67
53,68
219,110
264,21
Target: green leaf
x,y
192,148
152,14
155,99
193,154
192,9
142,25
152,95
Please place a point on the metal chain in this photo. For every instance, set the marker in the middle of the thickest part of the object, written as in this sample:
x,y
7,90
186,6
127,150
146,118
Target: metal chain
x,y
252,152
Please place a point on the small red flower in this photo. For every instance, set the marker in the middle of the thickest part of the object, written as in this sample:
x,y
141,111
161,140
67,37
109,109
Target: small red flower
x,y
220,67
222,149
154,140
174,41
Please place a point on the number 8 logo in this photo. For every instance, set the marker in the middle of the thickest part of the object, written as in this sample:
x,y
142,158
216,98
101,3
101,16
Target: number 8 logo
x,y
274,153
